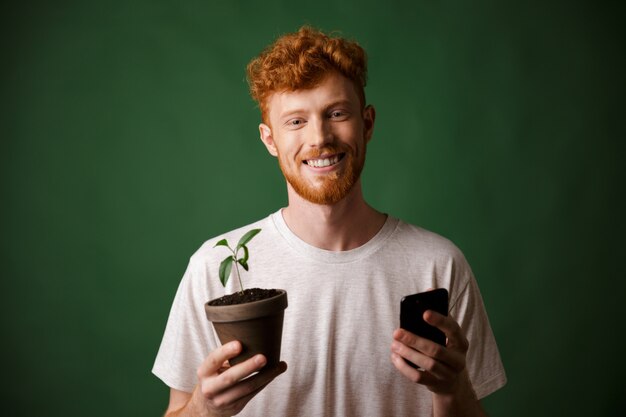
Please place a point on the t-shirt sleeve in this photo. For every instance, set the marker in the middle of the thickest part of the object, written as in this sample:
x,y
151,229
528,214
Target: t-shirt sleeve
x,y
483,359
189,336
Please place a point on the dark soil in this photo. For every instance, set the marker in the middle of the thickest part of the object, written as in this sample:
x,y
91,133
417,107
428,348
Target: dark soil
x,y
247,296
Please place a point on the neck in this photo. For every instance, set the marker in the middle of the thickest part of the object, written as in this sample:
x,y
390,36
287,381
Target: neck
x,y
346,225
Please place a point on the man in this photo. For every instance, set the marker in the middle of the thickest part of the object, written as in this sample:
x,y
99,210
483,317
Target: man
x,y
344,265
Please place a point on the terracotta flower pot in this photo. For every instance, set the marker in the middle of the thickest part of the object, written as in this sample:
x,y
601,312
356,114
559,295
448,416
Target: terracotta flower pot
x,y
258,325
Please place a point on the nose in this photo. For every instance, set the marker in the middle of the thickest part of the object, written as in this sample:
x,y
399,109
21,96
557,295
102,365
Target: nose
x,y
320,133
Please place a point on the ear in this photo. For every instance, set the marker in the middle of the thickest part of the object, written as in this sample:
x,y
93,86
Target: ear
x,y
268,139
369,117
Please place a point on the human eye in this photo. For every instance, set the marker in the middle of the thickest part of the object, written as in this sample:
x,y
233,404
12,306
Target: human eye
x,y
294,123
338,115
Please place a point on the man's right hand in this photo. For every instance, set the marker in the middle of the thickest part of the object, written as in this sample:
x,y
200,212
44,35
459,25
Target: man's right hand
x,y
224,390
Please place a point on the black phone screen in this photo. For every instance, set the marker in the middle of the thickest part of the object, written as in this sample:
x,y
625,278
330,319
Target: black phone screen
x,y
412,308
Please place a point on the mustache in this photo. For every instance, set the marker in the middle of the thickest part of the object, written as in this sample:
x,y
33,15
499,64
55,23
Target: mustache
x,y
326,150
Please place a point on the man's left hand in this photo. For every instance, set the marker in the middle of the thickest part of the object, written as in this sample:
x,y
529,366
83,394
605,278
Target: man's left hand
x,y
442,367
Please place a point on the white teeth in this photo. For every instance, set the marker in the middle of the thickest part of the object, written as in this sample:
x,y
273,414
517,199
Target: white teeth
x,y
320,163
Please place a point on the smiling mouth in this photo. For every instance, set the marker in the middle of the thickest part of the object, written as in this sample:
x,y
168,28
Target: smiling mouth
x,y
324,162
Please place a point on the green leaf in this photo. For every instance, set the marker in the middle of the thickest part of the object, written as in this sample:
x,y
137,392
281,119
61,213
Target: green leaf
x,y
222,242
243,263
225,267
246,254
247,237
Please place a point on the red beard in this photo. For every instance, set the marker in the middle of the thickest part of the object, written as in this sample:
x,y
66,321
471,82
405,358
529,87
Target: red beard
x,y
329,188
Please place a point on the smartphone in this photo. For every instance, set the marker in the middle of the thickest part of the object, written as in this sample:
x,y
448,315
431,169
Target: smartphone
x,y
412,308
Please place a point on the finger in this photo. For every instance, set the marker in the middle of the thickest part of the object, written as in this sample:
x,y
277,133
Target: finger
x,y
438,369
233,375
414,375
423,345
444,323
240,404
225,366
243,391
451,358
450,327
215,360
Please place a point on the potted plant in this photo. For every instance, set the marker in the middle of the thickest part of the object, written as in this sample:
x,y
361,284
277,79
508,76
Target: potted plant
x,y
254,316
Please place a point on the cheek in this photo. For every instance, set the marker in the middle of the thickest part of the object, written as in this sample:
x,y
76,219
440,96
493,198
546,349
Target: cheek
x,y
353,133
290,147
287,155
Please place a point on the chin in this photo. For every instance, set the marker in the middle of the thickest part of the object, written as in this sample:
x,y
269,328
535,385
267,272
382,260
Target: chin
x,y
327,194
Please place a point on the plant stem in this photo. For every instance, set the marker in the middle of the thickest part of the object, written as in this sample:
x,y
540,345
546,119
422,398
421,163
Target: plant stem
x,y
239,277
237,269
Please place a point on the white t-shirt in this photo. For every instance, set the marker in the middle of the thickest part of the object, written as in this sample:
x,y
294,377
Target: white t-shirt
x,y
343,309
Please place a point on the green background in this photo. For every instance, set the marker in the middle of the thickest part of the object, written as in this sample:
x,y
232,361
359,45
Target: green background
x,y
128,138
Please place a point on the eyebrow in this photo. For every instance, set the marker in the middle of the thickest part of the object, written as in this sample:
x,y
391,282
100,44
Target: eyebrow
x,y
290,113
340,102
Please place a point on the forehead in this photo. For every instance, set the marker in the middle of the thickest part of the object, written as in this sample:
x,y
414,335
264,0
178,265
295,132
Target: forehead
x,y
331,89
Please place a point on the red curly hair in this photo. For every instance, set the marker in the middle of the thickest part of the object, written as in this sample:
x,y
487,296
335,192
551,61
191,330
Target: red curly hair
x,y
300,60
